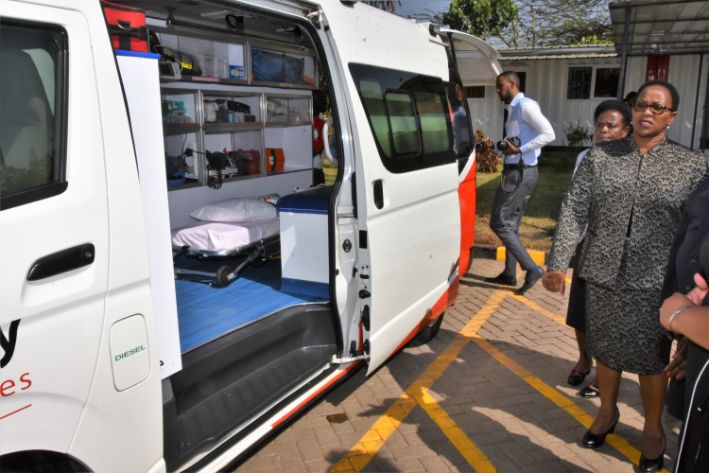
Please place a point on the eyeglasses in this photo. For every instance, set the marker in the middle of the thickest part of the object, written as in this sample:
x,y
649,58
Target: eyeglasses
x,y
655,108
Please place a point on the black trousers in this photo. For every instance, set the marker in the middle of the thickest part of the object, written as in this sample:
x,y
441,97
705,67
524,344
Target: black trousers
x,y
516,188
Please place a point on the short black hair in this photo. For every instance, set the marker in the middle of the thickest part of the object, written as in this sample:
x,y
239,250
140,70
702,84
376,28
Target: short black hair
x,y
631,96
663,83
510,76
617,106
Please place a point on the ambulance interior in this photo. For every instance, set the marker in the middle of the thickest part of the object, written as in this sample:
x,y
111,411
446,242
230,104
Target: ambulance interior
x,y
239,94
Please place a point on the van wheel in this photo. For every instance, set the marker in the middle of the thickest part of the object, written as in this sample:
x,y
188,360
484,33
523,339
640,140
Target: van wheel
x,y
39,462
430,331
221,279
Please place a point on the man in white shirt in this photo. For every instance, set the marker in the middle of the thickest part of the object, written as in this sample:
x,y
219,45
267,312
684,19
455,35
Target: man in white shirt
x,y
519,178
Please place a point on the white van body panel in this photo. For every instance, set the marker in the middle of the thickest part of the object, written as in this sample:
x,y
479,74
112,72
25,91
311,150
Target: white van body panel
x,y
138,409
64,311
413,240
66,400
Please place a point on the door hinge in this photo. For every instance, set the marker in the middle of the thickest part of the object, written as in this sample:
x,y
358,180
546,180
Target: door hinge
x,y
365,317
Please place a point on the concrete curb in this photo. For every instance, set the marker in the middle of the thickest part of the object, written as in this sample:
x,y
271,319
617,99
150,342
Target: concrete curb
x,y
498,253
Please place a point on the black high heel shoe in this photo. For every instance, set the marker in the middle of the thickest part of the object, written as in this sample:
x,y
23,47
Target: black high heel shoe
x,y
650,465
591,440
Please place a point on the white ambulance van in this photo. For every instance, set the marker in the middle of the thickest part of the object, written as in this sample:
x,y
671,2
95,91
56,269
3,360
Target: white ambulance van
x,y
124,348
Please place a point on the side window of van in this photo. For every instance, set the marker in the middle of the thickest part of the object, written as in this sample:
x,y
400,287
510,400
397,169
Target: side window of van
x,y
32,112
409,117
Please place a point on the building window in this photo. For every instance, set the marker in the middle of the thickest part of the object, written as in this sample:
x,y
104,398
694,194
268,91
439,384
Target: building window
x,y
33,106
475,92
579,83
606,82
522,80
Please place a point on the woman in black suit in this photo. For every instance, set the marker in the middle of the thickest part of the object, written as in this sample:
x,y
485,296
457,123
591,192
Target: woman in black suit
x,y
686,288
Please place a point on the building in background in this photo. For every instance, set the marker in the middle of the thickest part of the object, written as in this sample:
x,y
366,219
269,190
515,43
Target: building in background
x,y
653,40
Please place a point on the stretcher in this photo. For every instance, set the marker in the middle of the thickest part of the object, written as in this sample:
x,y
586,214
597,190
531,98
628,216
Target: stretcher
x,y
256,241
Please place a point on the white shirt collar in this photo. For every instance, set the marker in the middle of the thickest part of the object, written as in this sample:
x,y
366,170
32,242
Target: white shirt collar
x,y
517,98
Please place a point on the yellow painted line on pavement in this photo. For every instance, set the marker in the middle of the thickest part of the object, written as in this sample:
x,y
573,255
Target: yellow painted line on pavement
x,y
614,440
537,256
541,310
374,439
472,454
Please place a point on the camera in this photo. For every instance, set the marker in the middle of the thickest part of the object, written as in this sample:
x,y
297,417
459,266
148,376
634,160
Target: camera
x,y
502,145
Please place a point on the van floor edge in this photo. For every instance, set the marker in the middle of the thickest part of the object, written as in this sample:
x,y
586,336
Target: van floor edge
x,y
206,313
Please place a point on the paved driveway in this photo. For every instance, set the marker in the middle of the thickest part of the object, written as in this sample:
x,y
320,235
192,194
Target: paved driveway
x,y
488,394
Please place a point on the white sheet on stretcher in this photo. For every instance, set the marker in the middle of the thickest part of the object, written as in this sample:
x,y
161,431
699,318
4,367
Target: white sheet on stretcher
x,y
216,236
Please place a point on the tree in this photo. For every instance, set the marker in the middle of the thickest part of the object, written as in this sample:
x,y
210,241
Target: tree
x,y
564,22
484,18
532,23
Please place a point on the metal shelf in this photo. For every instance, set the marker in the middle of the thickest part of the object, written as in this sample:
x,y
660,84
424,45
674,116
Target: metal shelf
x,y
215,128
171,129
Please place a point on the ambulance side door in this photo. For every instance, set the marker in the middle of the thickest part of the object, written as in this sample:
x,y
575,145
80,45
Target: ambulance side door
x,y
406,170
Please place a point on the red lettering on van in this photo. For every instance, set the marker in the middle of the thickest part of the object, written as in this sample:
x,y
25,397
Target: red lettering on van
x,y
7,388
26,382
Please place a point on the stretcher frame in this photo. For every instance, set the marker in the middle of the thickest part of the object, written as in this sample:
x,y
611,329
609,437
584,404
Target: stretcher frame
x,y
261,250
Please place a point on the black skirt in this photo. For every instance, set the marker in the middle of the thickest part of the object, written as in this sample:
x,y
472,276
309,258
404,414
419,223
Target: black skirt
x,y
576,313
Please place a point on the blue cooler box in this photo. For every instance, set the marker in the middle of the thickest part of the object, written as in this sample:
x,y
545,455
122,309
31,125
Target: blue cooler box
x,y
304,238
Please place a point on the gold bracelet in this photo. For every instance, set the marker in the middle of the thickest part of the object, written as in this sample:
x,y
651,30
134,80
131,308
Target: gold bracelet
x,y
676,314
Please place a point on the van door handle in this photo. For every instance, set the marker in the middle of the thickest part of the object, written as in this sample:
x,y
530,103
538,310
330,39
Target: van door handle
x,y
378,193
62,261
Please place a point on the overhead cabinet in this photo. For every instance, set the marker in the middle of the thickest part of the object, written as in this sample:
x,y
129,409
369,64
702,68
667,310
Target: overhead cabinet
x,y
233,110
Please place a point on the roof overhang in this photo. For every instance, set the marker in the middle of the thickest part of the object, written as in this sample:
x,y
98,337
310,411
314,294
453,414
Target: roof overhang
x,y
646,27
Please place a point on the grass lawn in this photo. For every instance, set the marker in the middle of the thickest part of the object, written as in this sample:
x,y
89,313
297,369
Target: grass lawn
x,y
539,222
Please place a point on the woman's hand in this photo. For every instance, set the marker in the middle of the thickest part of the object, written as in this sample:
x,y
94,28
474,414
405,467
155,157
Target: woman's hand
x,y
678,364
554,281
698,294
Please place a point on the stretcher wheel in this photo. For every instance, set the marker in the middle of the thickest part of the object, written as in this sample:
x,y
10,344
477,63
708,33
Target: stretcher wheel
x,y
221,279
429,332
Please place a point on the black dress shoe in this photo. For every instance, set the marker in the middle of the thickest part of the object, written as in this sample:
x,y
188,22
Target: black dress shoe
x,y
530,279
576,377
590,391
503,279
649,465
591,440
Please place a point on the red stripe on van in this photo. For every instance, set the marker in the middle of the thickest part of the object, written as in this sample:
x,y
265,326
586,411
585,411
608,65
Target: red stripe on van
x,y
467,194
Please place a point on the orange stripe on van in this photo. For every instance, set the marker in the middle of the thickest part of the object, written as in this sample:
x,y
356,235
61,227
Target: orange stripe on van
x,y
317,393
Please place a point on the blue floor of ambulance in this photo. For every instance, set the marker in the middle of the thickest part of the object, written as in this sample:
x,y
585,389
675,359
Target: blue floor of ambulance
x,y
206,313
